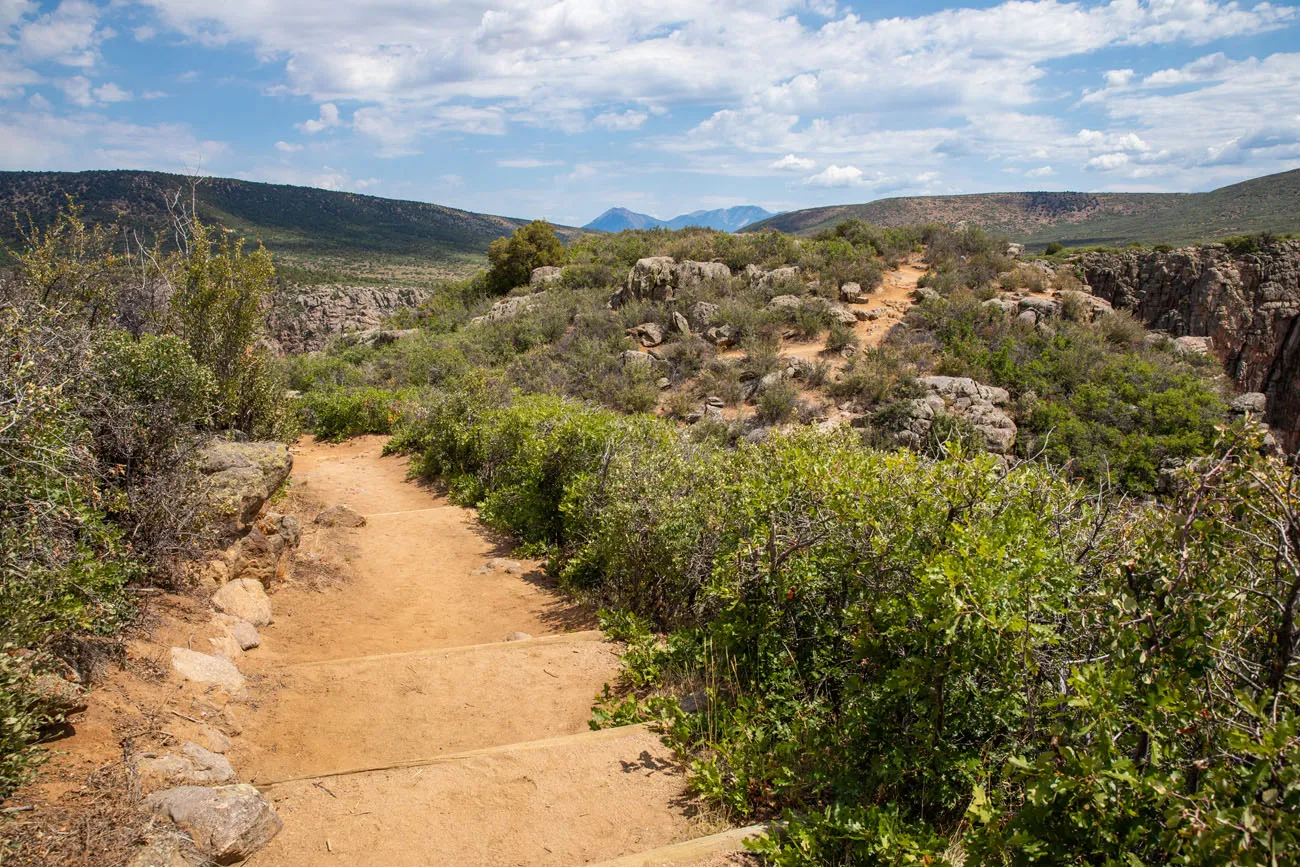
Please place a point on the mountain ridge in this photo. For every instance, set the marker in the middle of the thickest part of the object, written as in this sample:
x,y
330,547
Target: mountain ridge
x,y
730,219
302,221
1271,202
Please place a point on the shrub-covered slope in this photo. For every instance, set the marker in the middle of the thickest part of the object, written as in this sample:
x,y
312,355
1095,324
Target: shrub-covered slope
x,y
1269,203
299,220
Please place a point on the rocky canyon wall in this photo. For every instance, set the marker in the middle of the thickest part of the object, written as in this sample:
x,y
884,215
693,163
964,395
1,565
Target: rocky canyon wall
x,y
1247,304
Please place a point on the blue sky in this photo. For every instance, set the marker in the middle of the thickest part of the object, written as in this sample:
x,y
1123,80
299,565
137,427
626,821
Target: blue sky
x,y
562,108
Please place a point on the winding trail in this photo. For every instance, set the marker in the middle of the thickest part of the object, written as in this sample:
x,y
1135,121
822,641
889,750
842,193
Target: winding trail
x,y
394,725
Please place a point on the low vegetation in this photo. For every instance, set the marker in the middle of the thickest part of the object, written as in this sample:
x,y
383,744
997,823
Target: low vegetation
x,y
111,368
1081,651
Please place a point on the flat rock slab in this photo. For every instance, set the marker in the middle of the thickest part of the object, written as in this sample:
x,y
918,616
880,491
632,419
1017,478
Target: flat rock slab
x,y
556,806
226,823
368,712
206,668
193,766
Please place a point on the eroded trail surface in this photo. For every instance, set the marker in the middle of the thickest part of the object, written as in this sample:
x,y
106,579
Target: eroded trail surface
x,y
394,724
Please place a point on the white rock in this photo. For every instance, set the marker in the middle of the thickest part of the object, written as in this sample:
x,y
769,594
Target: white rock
x,y
206,668
227,823
244,599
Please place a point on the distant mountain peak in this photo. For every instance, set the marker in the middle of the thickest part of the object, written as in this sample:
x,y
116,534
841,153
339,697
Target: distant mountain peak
x,y
724,219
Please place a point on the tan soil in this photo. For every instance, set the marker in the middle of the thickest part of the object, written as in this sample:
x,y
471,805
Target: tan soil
x,y
457,746
404,664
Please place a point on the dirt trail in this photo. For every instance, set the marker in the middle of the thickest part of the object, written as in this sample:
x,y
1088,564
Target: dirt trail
x,y
393,724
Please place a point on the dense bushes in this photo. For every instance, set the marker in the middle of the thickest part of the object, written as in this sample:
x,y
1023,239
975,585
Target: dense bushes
x,y
338,413
109,371
1093,397
914,658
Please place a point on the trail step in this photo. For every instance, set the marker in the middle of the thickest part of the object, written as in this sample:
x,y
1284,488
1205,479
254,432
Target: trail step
x,y
574,740
553,803
689,850
380,710
562,638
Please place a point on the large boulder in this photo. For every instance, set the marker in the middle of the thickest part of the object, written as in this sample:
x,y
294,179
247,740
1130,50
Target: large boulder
x,y
244,598
960,396
704,314
659,278
193,766
226,823
305,319
238,478
509,308
206,668
541,277
650,334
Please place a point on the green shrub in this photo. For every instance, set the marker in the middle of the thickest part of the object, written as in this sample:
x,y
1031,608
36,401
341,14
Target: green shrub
x,y
513,259
336,414
777,402
1054,248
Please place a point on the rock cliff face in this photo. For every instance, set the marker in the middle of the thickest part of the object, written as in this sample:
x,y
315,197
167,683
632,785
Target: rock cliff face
x,y
304,318
1248,305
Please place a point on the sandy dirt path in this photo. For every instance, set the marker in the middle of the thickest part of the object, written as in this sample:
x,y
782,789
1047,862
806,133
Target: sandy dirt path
x,y
392,724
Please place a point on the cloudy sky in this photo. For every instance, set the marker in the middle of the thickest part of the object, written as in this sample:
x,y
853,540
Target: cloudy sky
x,y
562,108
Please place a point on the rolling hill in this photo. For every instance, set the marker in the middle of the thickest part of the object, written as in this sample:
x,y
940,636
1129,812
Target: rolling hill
x,y
1076,219
301,222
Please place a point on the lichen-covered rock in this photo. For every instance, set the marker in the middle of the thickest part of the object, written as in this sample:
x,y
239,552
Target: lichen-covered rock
x,y
703,315
1247,304
166,851
226,823
244,598
681,324
851,293
649,334
1253,402
722,336
238,478
509,308
960,396
785,303
659,278
541,277
633,359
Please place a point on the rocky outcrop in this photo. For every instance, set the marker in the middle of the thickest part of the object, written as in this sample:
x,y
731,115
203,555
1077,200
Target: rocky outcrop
x,y
541,277
1248,305
659,278
509,308
238,478
306,318
962,397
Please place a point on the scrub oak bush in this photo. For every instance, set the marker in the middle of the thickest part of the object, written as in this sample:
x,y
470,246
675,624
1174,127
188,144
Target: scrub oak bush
x,y
924,660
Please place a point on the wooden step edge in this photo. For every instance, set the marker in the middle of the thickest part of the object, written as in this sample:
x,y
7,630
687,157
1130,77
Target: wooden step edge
x,y
588,737
561,638
689,850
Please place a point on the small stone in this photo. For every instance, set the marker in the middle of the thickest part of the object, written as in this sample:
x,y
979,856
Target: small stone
x,y
340,516
518,636
227,823
206,668
215,739
663,382
244,599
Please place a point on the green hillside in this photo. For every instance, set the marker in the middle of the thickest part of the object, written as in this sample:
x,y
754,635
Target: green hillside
x,y
1269,203
301,222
